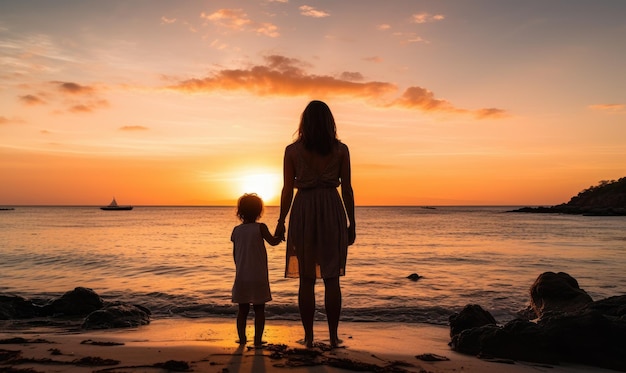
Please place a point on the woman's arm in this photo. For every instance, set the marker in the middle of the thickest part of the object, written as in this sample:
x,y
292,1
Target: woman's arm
x,y
347,194
286,196
267,236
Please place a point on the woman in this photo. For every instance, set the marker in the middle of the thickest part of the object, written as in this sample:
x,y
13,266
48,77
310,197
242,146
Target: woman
x,y
316,164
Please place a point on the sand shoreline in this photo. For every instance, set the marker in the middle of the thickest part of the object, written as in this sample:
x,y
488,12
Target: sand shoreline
x,y
208,345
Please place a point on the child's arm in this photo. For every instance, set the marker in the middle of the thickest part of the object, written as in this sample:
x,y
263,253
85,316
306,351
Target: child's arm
x,y
267,236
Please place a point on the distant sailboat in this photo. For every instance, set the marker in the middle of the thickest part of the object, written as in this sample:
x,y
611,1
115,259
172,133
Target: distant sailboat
x,y
113,206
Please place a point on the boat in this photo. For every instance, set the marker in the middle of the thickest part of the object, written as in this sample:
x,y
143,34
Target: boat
x,y
113,206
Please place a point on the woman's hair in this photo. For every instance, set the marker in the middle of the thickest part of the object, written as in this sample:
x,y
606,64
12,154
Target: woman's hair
x,y
249,207
317,130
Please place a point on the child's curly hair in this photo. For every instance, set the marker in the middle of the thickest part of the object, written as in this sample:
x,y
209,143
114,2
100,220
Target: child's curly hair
x,y
249,207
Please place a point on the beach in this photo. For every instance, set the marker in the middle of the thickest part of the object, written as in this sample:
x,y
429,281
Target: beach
x,y
208,345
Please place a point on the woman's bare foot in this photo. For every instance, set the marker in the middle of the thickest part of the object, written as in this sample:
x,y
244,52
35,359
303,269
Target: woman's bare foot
x,y
335,342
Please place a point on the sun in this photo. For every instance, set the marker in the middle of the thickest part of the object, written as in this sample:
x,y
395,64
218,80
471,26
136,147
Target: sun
x,y
265,185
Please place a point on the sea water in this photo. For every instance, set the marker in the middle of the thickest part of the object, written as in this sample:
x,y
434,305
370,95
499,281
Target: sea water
x,y
178,261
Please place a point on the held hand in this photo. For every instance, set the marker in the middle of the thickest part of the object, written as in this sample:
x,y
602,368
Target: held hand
x,y
351,235
280,231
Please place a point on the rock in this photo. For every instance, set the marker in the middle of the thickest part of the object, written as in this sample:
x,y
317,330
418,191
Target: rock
x,y
612,306
587,337
518,340
580,331
78,302
557,292
472,316
16,307
414,277
117,316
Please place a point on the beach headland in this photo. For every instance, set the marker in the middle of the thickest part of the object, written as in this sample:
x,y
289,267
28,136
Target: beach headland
x,y
208,345
605,199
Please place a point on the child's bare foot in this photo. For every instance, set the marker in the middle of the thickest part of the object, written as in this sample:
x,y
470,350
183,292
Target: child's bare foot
x,y
258,343
308,343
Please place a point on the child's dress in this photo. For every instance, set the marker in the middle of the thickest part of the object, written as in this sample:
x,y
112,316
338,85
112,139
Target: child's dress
x,y
251,279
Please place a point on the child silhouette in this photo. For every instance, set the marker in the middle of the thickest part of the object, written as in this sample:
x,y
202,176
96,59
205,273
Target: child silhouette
x,y
251,284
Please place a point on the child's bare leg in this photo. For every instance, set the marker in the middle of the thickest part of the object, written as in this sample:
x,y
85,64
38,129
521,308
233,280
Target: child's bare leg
x,y
306,303
259,324
242,316
332,303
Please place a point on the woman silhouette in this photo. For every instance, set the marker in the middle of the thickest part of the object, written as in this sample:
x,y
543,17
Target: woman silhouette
x,y
319,234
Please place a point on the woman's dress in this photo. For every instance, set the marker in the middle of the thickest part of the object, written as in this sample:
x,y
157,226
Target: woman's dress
x,y
317,238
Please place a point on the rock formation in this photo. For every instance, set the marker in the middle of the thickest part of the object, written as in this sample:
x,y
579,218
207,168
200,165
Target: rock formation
x,y
569,326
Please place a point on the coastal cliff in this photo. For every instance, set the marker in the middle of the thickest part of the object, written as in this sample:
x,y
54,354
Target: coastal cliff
x,y
608,198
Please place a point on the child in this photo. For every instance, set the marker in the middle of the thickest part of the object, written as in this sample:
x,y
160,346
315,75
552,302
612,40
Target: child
x,y
251,279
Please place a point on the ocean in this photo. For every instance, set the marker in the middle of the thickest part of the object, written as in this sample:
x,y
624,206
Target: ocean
x,y
177,261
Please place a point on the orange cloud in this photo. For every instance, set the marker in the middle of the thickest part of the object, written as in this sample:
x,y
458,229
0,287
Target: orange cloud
x,y
351,76
489,113
74,88
427,17
418,97
167,21
374,59
237,19
133,128
5,120
31,100
423,99
88,107
309,11
284,77
607,107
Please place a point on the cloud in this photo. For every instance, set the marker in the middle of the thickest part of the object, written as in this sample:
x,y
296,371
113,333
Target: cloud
x,y
284,76
268,29
76,98
489,113
4,120
74,88
89,106
608,107
409,37
427,17
235,19
351,76
238,20
167,21
383,27
309,11
374,59
133,128
423,99
31,100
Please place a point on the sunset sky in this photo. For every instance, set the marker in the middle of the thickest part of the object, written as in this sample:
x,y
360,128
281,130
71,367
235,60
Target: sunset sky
x,y
464,102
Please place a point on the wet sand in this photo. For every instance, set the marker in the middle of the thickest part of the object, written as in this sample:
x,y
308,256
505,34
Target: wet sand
x,y
208,345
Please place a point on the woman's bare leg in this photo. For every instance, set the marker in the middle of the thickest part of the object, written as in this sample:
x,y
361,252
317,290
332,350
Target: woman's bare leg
x,y
332,302
306,303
